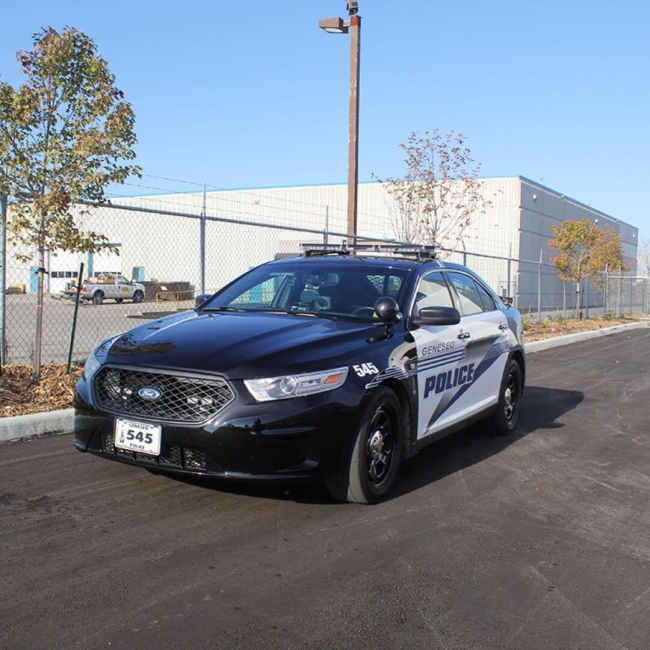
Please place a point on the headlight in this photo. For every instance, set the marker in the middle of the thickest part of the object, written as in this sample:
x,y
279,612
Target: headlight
x,y
94,361
91,367
265,390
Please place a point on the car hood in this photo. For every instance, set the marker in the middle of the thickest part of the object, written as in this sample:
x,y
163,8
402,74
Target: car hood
x,y
241,344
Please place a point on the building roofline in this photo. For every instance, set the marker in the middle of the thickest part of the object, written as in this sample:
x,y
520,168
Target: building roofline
x,y
559,195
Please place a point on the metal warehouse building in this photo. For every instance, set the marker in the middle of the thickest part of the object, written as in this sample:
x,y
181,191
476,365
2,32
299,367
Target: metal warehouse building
x,y
164,235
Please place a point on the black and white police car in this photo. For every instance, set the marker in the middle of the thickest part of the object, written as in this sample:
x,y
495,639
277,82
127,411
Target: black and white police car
x,y
336,366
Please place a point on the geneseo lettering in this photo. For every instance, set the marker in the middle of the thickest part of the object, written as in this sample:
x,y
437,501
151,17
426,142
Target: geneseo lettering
x,y
433,349
450,379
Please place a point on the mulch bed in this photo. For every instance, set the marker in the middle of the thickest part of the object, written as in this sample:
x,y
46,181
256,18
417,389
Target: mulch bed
x,y
20,394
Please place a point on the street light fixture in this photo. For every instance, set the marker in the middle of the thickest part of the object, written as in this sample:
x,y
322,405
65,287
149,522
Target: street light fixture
x,y
333,25
353,27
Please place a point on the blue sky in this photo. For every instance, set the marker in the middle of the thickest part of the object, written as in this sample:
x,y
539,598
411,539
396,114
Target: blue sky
x,y
253,94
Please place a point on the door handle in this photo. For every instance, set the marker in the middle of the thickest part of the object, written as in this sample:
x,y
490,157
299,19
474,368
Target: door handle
x,y
503,327
464,335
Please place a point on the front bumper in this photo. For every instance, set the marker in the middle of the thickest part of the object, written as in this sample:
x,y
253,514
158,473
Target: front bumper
x,y
302,438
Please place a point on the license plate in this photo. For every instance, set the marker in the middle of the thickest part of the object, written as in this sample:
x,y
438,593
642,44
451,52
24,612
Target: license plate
x,y
138,436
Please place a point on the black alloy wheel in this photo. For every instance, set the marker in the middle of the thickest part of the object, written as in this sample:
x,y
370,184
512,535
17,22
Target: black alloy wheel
x,y
371,467
504,420
381,446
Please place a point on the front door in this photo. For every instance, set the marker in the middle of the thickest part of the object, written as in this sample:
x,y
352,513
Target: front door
x,y
441,358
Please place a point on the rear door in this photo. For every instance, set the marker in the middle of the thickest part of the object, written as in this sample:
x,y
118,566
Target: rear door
x,y
487,344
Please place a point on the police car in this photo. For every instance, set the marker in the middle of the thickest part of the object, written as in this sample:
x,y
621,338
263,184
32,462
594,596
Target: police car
x,y
334,366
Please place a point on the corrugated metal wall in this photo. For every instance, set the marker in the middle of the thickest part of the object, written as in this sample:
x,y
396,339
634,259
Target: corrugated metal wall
x,y
541,209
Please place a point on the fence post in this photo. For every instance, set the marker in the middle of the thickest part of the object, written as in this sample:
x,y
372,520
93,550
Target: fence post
x,y
74,317
327,225
587,298
605,290
202,242
509,271
3,281
564,299
539,287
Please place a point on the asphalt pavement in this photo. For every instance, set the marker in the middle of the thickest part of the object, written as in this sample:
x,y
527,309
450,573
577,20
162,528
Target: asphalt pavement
x,y
540,540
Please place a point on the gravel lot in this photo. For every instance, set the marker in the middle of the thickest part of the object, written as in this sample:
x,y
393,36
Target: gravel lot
x,y
541,540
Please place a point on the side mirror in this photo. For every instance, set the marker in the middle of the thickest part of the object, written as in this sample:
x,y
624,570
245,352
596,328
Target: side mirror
x,y
508,301
437,316
200,299
387,310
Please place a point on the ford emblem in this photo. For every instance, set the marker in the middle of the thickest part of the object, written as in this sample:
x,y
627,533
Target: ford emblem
x,y
149,393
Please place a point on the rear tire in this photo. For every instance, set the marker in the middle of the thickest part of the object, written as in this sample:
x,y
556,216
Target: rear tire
x,y
372,465
98,298
504,420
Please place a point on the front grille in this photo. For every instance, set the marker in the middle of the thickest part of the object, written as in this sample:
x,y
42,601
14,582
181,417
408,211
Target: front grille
x,y
176,456
182,399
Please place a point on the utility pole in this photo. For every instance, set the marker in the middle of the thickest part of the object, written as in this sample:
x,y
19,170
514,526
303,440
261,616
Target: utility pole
x,y
353,144
353,27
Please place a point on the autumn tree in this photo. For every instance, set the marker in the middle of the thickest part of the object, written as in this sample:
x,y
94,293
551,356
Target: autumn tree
x,y
584,250
440,192
66,133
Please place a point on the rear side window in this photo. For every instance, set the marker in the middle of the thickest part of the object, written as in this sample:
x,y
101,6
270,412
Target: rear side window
x,y
474,299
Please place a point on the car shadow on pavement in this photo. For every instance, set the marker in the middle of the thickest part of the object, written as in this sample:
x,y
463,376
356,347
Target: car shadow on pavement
x,y
541,409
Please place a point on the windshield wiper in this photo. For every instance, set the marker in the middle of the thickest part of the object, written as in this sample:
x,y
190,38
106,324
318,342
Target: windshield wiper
x,y
221,309
297,312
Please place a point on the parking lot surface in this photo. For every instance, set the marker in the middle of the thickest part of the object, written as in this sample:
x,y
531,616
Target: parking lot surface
x,y
94,323
541,540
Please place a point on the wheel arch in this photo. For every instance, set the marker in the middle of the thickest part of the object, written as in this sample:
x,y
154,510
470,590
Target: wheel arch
x,y
408,414
518,356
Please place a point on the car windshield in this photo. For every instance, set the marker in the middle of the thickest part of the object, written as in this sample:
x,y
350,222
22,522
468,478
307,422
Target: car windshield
x,y
336,290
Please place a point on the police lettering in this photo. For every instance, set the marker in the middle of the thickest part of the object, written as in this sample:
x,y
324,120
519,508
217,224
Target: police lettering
x,y
450,379
441,347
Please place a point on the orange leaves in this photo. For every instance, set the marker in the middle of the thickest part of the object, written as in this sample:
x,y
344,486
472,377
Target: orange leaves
x,y
585,249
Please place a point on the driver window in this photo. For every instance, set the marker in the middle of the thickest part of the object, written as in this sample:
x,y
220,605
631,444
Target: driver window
x,y
433,292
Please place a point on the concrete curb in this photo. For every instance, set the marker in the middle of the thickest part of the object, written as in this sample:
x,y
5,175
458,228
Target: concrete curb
x,y
36,424
558,341
39,424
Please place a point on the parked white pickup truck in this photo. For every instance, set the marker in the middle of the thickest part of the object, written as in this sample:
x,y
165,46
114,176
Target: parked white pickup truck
x,y
108,285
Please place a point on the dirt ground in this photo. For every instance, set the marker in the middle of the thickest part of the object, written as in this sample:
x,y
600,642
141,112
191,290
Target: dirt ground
x,y
546,329
20,394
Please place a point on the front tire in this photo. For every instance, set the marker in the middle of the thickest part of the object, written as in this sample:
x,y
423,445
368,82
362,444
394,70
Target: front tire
x,y
372,466
504,420
138,296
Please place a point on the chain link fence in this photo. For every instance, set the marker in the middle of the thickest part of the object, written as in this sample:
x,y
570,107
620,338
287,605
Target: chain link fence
x,y
172,251
626,294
